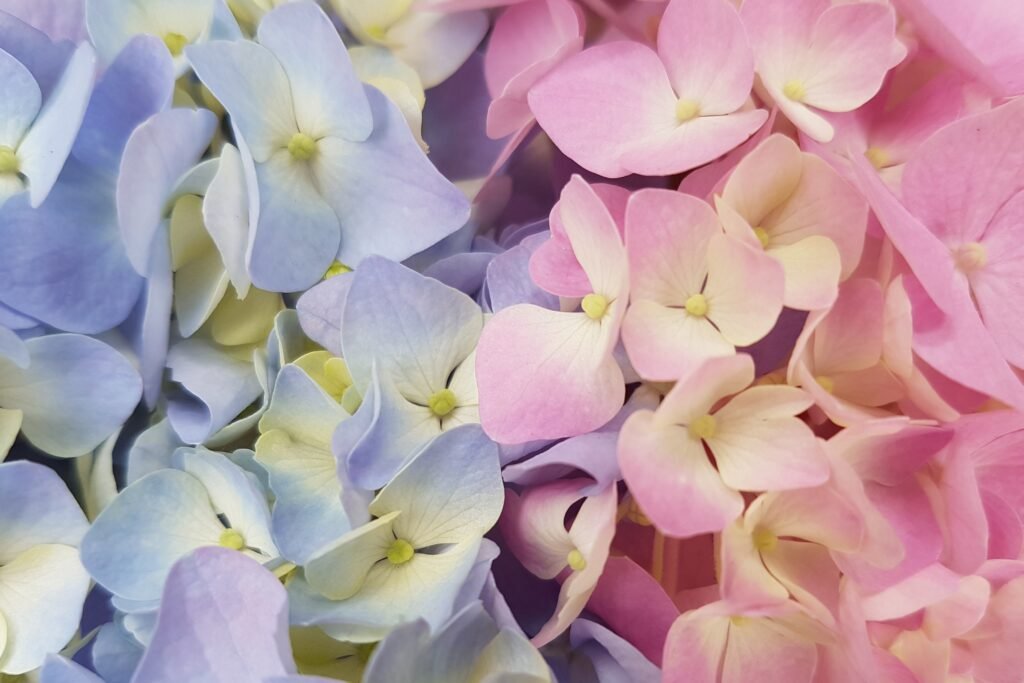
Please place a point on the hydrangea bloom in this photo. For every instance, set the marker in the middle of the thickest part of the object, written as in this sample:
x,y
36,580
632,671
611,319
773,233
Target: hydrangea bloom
x,y
539,341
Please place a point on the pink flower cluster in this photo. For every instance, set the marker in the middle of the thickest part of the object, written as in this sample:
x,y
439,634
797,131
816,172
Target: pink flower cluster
x,y
805,353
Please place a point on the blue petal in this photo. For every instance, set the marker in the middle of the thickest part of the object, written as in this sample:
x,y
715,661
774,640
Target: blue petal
x,y
75,392
320,310
64,263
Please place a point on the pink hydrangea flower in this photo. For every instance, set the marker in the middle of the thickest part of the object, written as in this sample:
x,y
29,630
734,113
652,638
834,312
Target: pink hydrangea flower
x,y
753,433
622,108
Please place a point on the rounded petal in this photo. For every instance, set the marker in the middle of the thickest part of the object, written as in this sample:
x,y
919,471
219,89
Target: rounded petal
x,y
671,478
597,102
22,102
744,290
75,392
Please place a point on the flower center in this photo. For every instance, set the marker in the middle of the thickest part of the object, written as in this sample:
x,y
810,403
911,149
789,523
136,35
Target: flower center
x,y
576,560
400,551
175,43
302,147
686,110
595,305
703,427
9,163
337,267
970,256
826,383
878,157
764,540
794,90
442,402
697,305
762,236
231,538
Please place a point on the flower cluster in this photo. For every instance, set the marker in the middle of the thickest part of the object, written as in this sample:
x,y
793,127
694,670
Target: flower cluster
x,y
532,341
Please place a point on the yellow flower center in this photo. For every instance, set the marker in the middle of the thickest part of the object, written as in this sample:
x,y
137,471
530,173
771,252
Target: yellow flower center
x,y
175,43
739,621
595,305
826,383
970,257
231,538
703,427
8,161
400,551
302,147
762,236
337,267
878,157
442,402
794,90
686,110
697,305
576,560
765,540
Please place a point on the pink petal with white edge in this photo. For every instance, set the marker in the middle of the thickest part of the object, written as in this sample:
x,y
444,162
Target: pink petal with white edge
x,y
553,265
743,576
960,612
744,290
592,532
695,393
595,239
675,485
528,39
597,102
850,336
533,525
704,48
764,179
764,650
543,374
687,145
760,446
820,514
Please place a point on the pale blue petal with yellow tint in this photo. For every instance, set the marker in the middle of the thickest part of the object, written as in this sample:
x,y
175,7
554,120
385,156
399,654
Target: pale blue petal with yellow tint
x,y
43,57
329,98
133,543
252,85
320,311
235,494
38,508
390,198
415,328
295,449
48,143
21,102
41,595
74,393
224,619
158,153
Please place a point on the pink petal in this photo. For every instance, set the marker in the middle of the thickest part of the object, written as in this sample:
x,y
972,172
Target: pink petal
x,y
981,39
821,514
850,336
634,605
533,525
603,99
665,342
683,146
743,576
960,612
759,650
963,174
545,375
694,648
527,40
744,290
999,284
764,179
812,268
672,480
704,48
595,239
696,392
853,47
